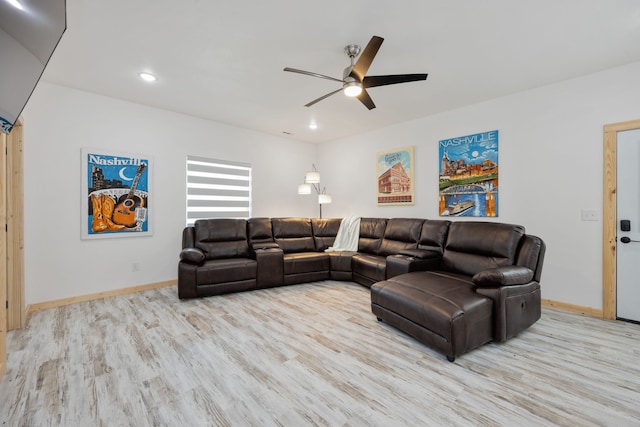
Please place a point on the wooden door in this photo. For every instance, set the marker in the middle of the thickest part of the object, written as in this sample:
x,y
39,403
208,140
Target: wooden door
x,y
610,216
628,225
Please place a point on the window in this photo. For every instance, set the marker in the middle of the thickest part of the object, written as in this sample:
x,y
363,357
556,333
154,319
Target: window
x,y
217,189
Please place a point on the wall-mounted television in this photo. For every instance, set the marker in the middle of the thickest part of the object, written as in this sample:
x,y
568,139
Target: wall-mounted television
x,y
29,33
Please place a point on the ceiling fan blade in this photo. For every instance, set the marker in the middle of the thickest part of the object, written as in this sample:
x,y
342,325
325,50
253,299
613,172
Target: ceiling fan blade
x,y
373,81
323,97
366,99
309,73
366,58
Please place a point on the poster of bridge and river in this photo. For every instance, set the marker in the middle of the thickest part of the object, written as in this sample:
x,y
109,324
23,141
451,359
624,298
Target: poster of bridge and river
x,y
469,175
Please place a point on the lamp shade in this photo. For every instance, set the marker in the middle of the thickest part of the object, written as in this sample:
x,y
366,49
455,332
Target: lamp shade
x,y
304,189
323,199
312,177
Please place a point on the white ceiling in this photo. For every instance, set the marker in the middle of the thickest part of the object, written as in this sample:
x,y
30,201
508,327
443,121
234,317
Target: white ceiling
x,y
223,60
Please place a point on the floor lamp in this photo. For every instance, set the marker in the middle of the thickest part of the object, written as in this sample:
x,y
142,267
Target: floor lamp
x,y
312,180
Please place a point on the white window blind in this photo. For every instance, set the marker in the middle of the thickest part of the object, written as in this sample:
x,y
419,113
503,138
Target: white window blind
x,y
217,189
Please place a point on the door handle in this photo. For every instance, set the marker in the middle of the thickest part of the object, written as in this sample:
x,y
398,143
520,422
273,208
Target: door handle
x,y
625,239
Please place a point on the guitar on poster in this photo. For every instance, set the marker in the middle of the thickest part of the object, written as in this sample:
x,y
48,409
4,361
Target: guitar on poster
x,y
125,211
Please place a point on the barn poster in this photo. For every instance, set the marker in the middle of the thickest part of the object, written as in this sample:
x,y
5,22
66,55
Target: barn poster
x,y
395,183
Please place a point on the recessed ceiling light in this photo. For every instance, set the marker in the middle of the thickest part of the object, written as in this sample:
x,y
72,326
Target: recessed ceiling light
x,y
148,77
313,126
15,4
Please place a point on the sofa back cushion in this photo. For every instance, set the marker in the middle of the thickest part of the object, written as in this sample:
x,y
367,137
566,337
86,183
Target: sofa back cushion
x,y
475,246
325,231
221,238
293,234
259,230
400,233
371,234
434,234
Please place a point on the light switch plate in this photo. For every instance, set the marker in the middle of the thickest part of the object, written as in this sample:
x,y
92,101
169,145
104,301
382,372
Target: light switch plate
x,y
589,215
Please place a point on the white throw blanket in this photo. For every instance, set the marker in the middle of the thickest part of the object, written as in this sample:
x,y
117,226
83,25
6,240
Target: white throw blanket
x,y
348,235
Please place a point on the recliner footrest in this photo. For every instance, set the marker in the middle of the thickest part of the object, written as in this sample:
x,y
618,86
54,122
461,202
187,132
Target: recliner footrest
x,y
442,312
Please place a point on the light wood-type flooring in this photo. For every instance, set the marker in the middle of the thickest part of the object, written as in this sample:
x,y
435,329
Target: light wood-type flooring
x,y
301,355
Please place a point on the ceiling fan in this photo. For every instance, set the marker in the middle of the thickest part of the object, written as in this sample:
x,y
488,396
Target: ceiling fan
x,y
355,82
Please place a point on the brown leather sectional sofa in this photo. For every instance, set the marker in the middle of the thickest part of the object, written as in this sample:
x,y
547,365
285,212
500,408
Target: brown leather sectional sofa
x,y
451,285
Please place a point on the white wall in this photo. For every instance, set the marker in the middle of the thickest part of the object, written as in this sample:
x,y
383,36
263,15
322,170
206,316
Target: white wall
x,y
550,163
550,168
59,121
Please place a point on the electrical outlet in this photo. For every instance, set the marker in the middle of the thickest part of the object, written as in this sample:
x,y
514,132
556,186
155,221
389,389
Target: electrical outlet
x,y
135,266
589,215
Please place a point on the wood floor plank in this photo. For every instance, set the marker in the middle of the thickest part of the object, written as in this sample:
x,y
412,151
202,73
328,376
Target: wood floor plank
x,y
305,355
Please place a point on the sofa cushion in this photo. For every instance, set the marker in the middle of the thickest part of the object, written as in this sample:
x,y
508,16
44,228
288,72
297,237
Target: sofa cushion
x,y
475,246
293,234
503,276
371,234
259,230
222,238
306,262
400,233
433,234
341,261
325,231
226,270
369,266
438,303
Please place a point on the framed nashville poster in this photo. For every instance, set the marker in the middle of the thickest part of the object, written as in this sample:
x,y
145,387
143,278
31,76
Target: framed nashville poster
x,y
116,194
395,183
469,175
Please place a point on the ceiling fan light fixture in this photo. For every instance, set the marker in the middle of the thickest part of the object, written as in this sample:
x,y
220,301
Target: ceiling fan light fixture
x,y
355,81
352,89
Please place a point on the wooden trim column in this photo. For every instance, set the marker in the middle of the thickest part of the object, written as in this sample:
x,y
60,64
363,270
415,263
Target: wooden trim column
x,y
16,313
3,254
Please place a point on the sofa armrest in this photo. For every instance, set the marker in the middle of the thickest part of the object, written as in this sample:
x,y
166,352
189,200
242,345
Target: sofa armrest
x,y
270,266
264,245
420,253
192,255
254,248
503,276
403,263
187,280
515,308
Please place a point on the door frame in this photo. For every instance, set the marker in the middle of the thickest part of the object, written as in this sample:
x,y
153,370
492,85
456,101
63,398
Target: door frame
x,y
3,254
14,203
609,216
12,240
